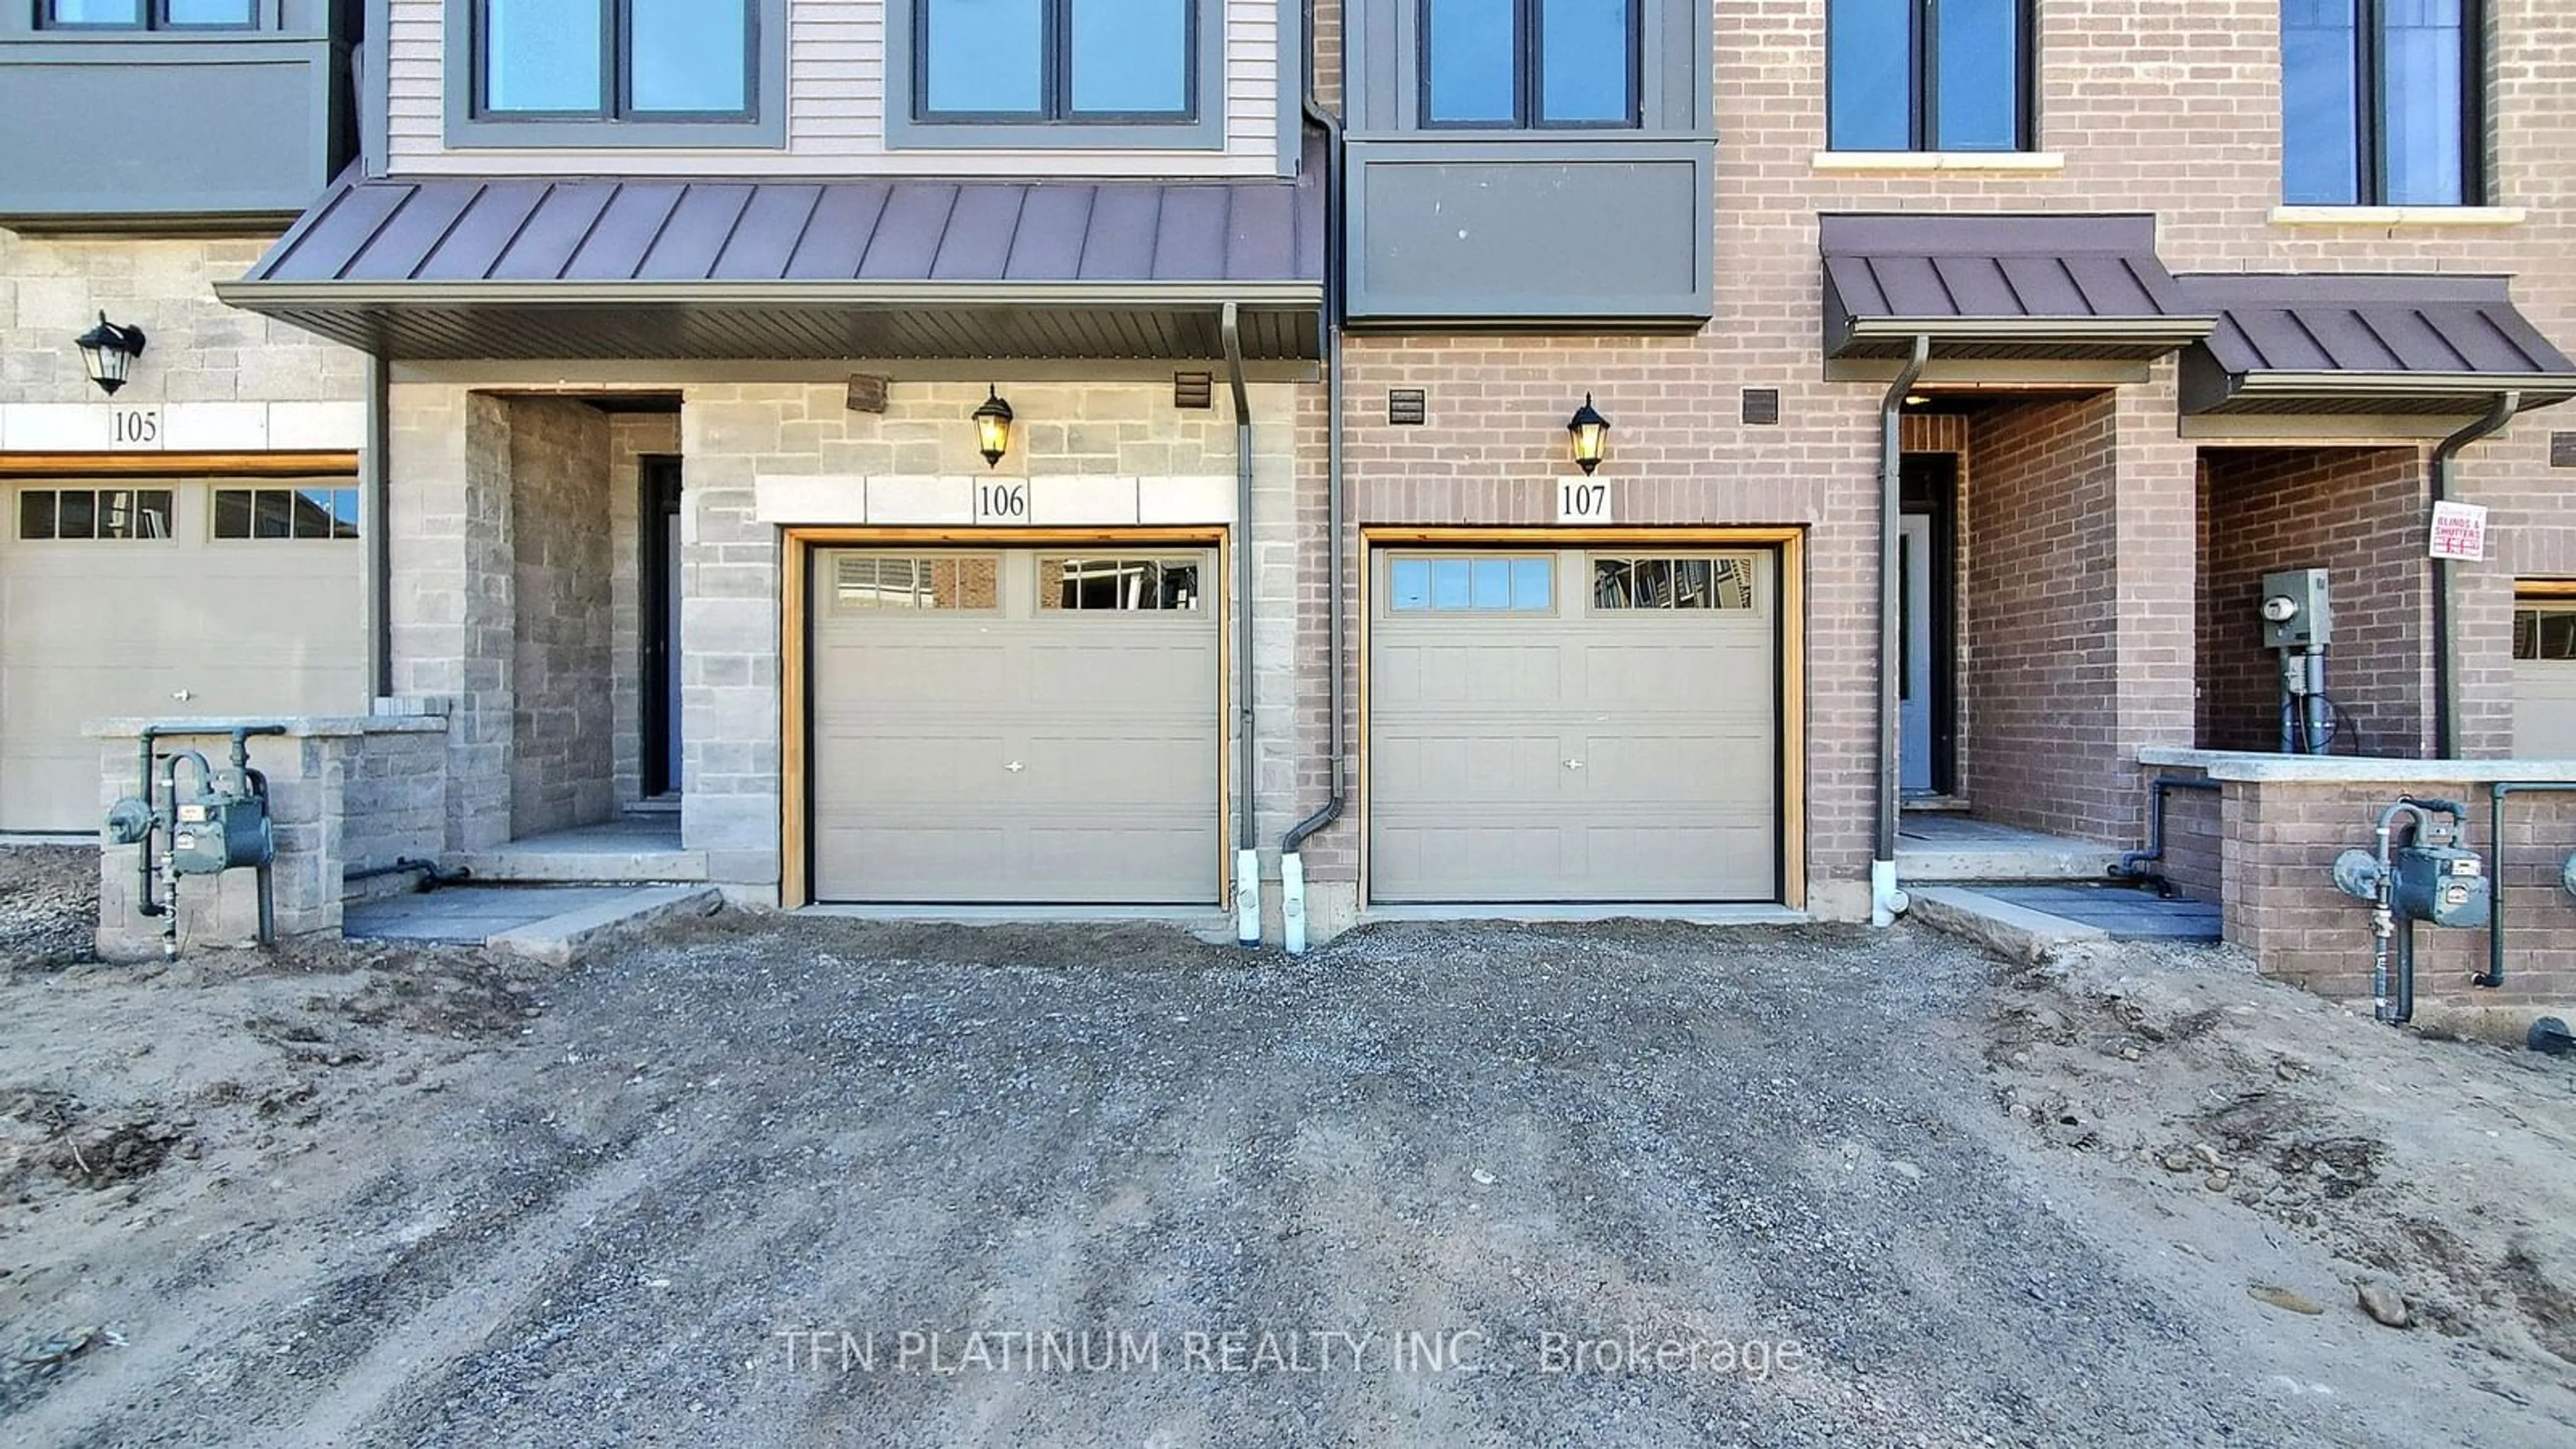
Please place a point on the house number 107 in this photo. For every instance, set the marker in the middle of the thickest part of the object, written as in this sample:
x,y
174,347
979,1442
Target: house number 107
x,y
1581,501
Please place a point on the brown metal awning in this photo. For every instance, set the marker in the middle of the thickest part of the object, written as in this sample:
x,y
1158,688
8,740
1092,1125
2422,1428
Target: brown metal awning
x,y
449,268
2060,288
2366,343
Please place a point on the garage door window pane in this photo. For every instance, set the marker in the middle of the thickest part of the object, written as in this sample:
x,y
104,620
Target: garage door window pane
x,y
1672,583
871,581
1139,585
36,513
232,513
272,514
1533,584
2558,635
1487,585
134,513
78,515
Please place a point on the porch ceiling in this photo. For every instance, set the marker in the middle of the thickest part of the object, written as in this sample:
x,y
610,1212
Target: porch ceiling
x,y
2063,288
2366,344
646,268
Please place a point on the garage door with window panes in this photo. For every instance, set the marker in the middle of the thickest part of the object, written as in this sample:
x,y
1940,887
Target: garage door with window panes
x,y
2544,679
166,597
1015,726
1573,725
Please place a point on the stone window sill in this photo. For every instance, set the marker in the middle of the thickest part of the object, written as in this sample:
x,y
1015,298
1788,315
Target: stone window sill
x,y
2396,216
1938,161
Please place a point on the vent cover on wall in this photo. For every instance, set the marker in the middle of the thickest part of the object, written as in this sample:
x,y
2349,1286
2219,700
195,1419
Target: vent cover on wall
x,y
1407,407
1193,391
1761,406
867,393
2562,450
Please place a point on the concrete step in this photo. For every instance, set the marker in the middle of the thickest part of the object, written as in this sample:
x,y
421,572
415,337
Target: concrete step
x,y
567,865
1971,860
560,940
2015,932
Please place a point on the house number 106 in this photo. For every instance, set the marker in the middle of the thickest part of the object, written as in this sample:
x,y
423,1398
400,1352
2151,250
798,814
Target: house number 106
x,y
1001,503
1582,501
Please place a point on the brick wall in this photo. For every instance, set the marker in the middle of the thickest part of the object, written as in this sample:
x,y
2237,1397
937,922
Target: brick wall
x,y
2280,839
2040,619
563,767
2171,110
2357,513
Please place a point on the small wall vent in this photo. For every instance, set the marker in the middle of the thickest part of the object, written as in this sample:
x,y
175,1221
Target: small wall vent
x,y
2562,450
1193,391
1761,407
1407,407
867,393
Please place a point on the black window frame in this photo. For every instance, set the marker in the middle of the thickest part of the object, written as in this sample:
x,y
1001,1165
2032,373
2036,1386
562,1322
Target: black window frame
x,y
1923,83
617,73
2370,108
155,18
1529,74
1055,81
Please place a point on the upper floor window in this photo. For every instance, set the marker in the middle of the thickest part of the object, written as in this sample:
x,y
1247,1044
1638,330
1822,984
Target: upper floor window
x,y
150,14
2379,102
666,60
1055,60
1928,75
1529,63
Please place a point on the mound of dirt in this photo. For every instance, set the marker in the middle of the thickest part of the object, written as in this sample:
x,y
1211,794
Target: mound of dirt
x,y
48,906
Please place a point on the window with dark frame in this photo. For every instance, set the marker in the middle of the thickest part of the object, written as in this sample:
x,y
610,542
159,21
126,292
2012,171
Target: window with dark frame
x,y
1929,75
148,14
2546,631
1071,61
614,60
1530,64
111,514
2381,103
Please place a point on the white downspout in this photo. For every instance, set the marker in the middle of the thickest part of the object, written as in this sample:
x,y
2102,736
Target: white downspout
x,y
1886,900
1247,854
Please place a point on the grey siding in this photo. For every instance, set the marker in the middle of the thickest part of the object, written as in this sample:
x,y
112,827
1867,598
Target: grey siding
x,y
249,123
1603,227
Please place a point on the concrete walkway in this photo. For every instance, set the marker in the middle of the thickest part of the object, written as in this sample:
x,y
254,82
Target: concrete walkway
x,y
1946,846
549,923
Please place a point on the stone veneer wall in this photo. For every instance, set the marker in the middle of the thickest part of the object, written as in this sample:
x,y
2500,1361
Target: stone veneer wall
x,y
563,766
631,436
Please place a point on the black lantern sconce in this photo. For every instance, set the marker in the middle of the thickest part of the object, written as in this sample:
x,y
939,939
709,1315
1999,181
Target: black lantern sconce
x,y
1590,434
993,428
108,351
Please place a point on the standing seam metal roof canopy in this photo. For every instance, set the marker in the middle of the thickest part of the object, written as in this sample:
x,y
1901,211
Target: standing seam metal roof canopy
x,y
628,267
2001,286
2361,342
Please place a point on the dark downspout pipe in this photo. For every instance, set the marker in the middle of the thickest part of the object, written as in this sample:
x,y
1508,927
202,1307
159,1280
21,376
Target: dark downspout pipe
x,y
1292,866
374,478
1885,900
2131,862
1247,847
2494,974
2446,703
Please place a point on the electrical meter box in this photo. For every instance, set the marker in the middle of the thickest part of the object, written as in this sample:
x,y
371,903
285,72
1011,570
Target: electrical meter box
x,y
219,831
2296,614
2441,884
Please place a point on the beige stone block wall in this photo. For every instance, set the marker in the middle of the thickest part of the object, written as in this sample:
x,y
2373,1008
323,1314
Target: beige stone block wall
x,y
197,350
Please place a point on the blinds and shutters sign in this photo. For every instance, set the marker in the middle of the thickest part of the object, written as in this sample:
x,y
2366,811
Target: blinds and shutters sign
x,y
2459,531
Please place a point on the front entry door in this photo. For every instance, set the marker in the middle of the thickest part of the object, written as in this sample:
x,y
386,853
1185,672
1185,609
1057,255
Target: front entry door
x,y
1914,645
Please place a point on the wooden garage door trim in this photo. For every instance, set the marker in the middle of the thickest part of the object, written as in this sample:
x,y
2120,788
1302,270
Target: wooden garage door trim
x,y
795,665
1791,544
177,465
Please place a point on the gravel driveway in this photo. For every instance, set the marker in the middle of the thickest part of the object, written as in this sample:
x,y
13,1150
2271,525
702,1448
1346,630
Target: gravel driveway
x,y
818,1182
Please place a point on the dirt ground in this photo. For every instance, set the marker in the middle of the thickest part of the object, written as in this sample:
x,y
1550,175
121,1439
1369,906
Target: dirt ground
x,y
772,1182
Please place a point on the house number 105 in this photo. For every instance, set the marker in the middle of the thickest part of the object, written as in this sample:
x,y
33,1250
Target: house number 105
x,y
135,428
1582,501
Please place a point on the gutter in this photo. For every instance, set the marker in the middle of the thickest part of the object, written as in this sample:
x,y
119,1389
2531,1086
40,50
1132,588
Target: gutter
x,y
1247,845
699,293
2446,697
1886,901
1292,860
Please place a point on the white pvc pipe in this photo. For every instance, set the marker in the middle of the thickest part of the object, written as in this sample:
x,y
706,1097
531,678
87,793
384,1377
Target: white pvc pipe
x,y
1292,902
1247,897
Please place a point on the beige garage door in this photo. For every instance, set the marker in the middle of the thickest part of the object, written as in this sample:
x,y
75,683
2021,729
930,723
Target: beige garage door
x,y
227,597
1015,726
2544,679
1573,725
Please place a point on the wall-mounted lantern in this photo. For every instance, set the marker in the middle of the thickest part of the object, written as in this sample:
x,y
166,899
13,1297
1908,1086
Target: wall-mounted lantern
x,y
993,428
1590,434
108,351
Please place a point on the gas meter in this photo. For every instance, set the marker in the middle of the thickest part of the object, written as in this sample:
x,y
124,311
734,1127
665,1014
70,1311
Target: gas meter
x,y
2432,877
218,822
2442,884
